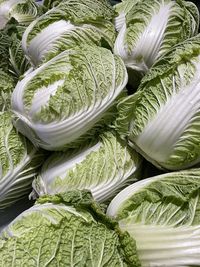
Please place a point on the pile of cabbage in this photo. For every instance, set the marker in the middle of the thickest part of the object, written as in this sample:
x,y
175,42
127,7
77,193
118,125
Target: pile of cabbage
x,y
100,133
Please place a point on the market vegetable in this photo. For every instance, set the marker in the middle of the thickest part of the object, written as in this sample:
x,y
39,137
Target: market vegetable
x,y
66,26
162,214
66,230
104,167
162,119
66,100
19,163
151,28
24,11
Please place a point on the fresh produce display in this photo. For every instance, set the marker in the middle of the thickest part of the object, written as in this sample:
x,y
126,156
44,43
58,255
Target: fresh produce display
x,y
99,133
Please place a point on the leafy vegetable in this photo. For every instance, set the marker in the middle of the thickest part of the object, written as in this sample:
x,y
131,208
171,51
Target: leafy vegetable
x,y
19,162
13,60
53,3
57,105
162,118
24,11
10,213
7,85
162,214
122,9
103,166
66,230
66,26
151,28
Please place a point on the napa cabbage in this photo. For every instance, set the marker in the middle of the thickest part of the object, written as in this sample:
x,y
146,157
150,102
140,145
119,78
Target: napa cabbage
x,y
161,120
148,28
162,214
66,230
66,26
104,166
68,99
19,162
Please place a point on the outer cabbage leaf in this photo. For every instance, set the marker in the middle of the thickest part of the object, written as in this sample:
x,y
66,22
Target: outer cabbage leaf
x,y
69,230
67,26
19,162
7,85
122,9
104,167
162,214
8,214
162,118
163,24
5,42
53,3
18,63
13,60
24,11
59,103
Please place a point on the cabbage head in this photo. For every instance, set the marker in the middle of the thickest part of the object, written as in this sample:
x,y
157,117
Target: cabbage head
x,y
66,26
161,120
65,101
162,214
103,166
66,230
148,28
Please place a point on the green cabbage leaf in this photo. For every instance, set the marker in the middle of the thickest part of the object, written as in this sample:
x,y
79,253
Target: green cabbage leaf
x,y
7,85
24,11
66,230
19,163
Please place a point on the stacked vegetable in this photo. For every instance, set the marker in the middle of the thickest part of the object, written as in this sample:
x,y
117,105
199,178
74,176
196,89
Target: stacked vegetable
x,y
77,140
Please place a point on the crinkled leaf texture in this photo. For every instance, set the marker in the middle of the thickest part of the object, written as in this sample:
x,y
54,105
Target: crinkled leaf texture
x,y
143,39
68,98
19,162
24,11
13,60
53,3
67,26
162,214
7,85
121,10
162,118
104,167
67,230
